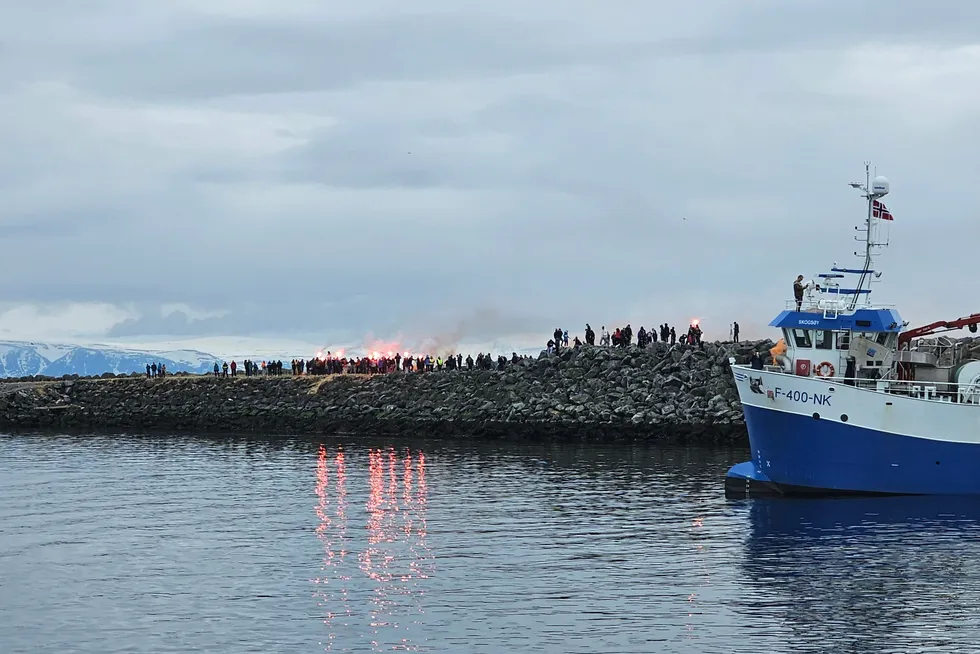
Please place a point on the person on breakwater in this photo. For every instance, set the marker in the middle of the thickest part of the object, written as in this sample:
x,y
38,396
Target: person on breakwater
x,y
623,338
589,335
694,335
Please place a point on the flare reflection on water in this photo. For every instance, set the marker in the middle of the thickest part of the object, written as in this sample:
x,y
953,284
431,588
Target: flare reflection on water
x,y
393,554
333,534
695,610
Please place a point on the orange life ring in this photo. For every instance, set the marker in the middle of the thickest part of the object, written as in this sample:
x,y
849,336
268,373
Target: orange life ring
x,y
825,369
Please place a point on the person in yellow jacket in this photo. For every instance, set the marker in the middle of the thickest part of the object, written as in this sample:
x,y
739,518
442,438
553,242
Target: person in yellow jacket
x,y
778,350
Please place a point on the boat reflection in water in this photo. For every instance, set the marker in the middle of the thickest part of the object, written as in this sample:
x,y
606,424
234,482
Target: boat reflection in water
x,y
389,548
888,568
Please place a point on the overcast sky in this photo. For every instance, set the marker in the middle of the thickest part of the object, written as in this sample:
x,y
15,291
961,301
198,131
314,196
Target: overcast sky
x,y
302,171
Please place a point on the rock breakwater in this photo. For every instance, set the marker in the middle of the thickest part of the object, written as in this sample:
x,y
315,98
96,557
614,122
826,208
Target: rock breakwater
x,y
661,391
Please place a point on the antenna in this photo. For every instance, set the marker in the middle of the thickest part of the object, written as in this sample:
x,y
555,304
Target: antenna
x,y
871,191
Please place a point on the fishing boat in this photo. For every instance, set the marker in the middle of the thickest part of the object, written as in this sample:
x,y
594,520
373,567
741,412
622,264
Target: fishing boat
x,y
851,401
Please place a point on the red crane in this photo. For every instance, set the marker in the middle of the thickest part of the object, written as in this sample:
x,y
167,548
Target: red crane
x,y
939,326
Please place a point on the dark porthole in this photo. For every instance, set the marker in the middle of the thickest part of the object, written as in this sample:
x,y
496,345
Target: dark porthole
x,y
843,417
937,463
816,416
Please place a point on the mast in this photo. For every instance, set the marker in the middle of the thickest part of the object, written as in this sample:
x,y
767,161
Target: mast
x,y
871,192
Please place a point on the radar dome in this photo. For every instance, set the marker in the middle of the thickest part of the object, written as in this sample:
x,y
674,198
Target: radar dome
x,y
879,186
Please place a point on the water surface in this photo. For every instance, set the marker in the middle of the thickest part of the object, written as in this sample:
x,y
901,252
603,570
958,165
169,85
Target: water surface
x,y
150,544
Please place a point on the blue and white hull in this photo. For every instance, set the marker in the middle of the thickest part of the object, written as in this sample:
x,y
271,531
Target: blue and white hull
x,y
814,435
852,401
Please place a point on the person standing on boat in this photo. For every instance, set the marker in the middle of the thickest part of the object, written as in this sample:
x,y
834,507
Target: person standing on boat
x,y
798,288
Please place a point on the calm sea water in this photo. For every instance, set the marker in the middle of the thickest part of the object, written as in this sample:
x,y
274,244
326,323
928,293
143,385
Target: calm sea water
x,y
147,544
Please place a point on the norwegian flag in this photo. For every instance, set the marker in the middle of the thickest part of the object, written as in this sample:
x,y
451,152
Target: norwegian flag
x,y
879,210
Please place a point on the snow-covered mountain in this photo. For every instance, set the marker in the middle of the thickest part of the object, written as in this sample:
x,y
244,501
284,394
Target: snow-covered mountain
x,y
22,358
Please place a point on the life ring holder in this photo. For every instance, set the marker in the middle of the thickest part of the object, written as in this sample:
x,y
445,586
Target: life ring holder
x,y
825,369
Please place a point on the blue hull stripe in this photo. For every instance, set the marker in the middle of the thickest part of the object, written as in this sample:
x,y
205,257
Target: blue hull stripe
x,y
796,450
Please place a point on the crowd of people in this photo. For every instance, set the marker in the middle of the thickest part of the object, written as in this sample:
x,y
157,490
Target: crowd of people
x,y
156,370
623,336
330,364
250,368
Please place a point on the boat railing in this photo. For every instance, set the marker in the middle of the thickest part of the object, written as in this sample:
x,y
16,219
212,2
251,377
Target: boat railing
x,y
818,305
938,391
803,305
923,389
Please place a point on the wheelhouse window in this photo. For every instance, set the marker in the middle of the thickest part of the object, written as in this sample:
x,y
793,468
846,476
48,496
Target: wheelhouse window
x,y
843,339
882,338
802,338
824,339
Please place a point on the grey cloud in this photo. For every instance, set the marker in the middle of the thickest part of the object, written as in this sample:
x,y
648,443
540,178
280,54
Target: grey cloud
x,y
506,174
827,24
774,27
376,154
224,56
274,317
176,323
445,327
